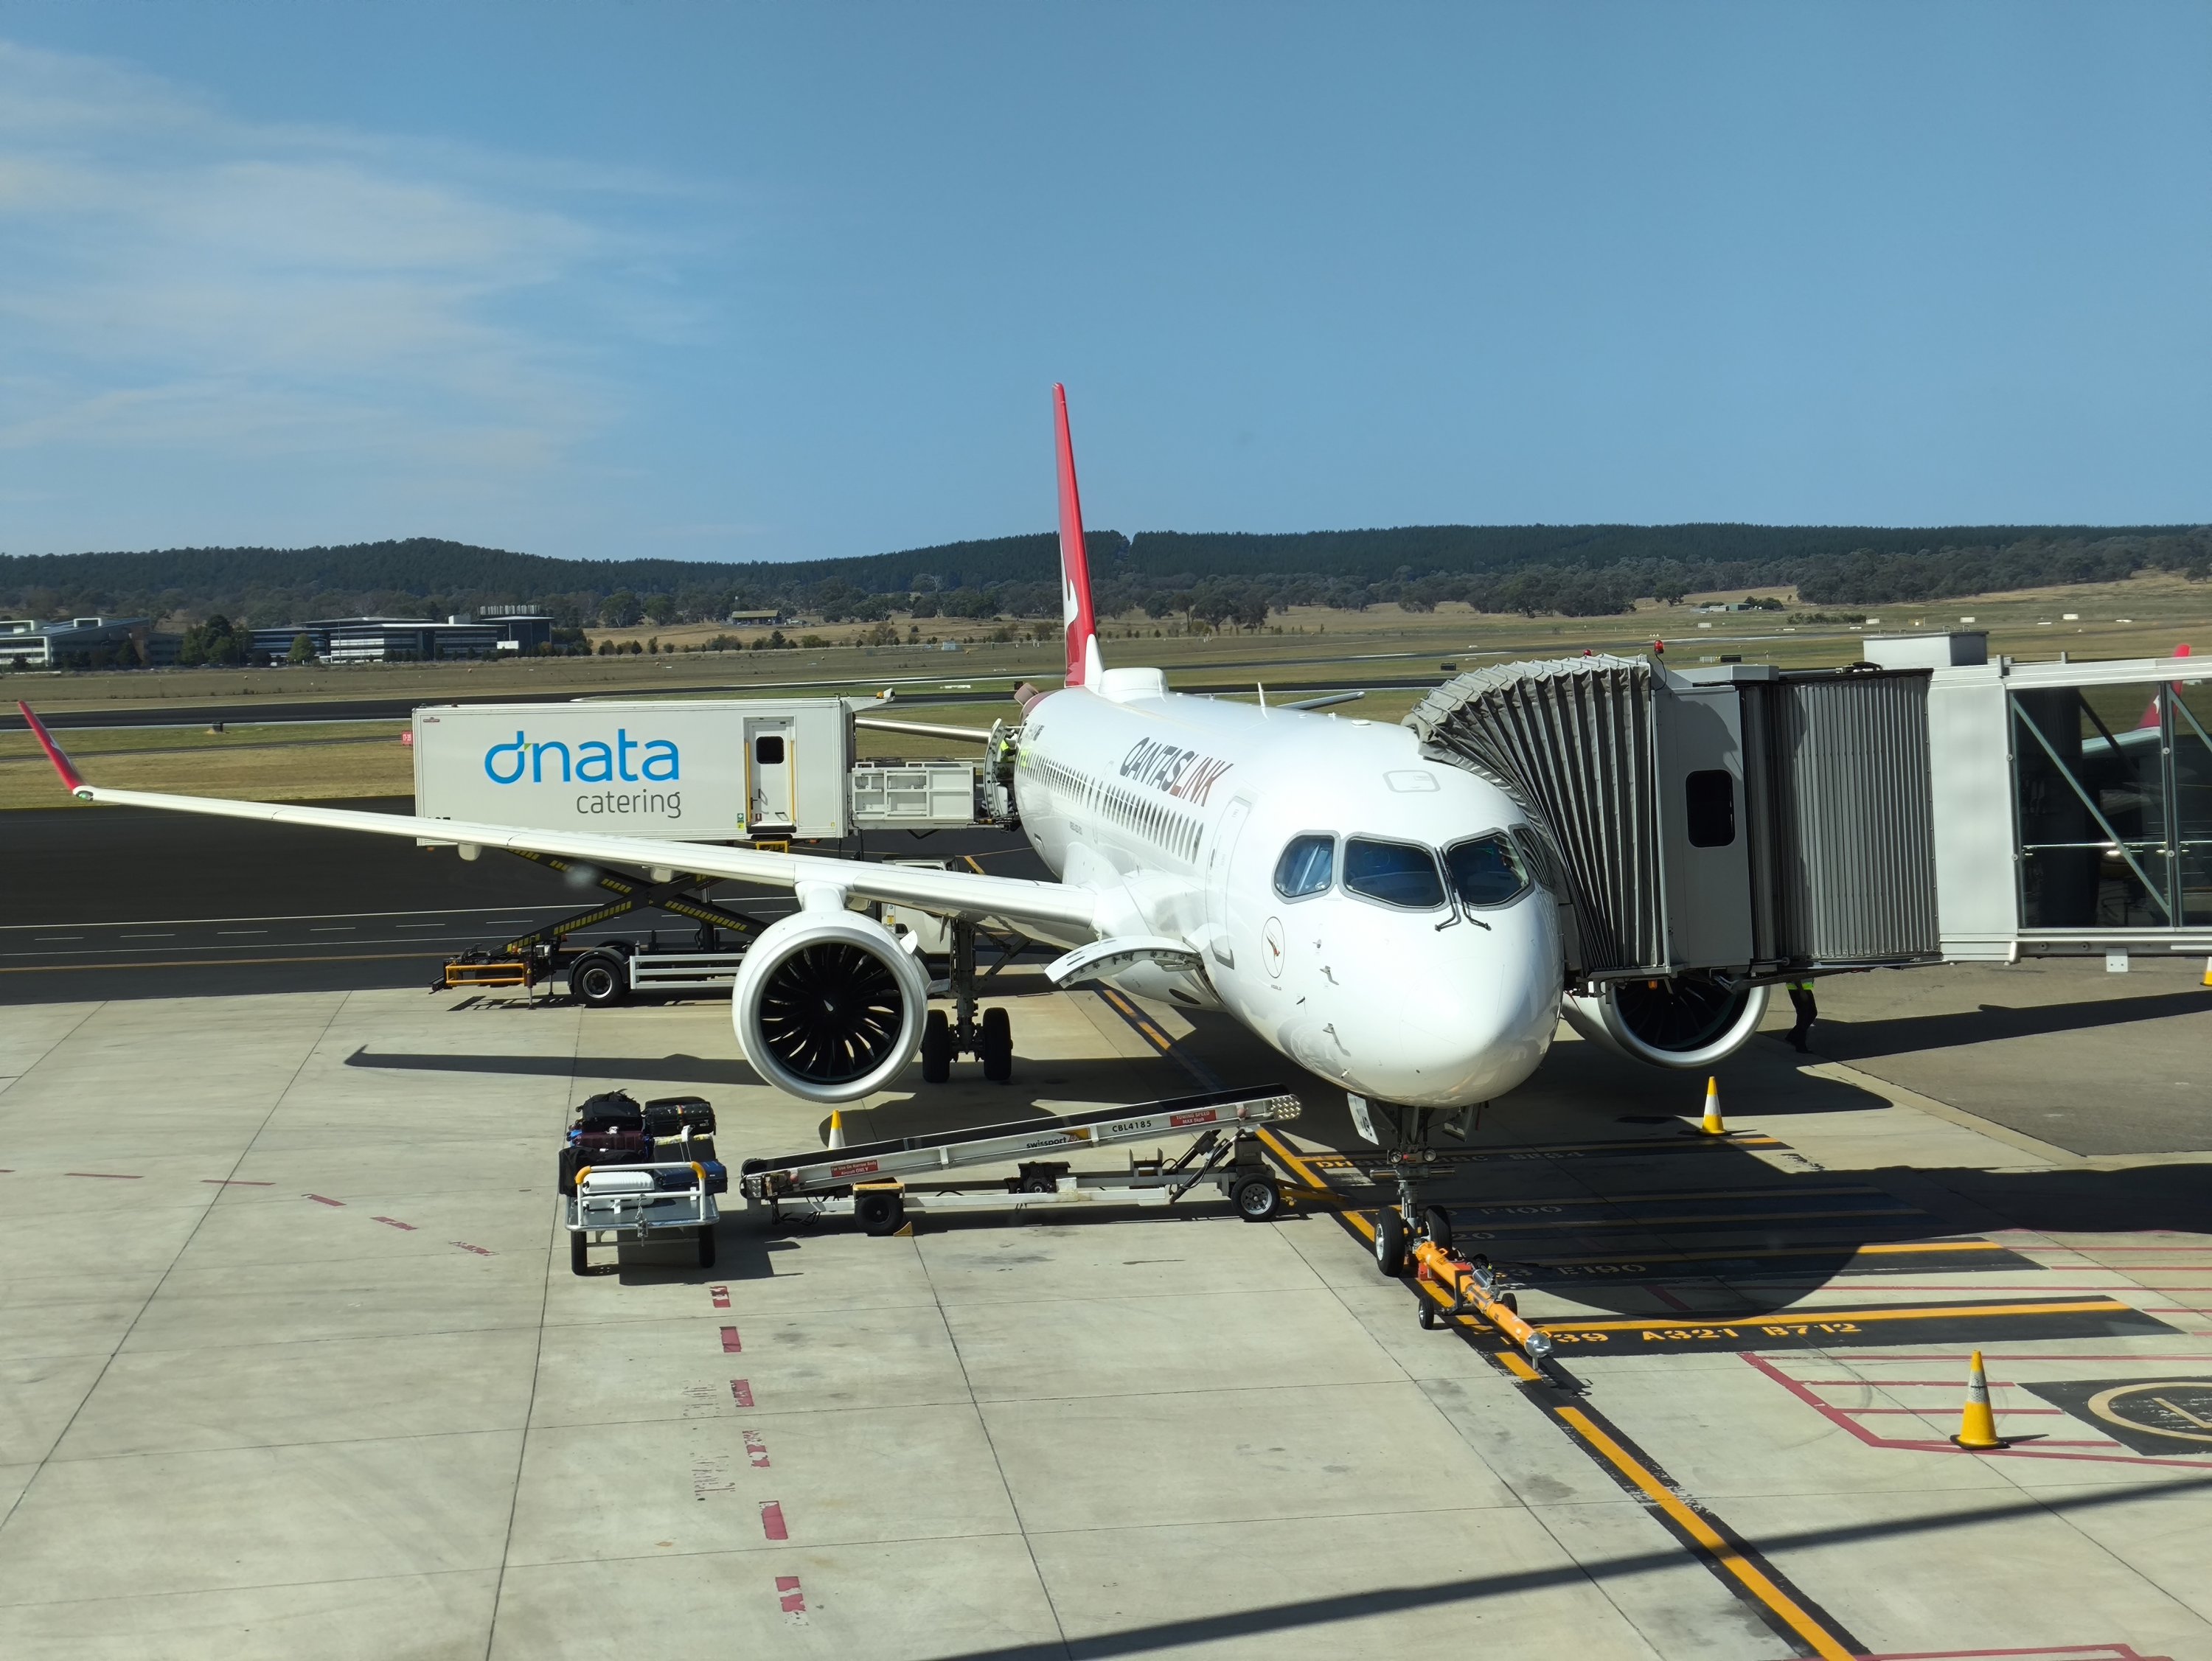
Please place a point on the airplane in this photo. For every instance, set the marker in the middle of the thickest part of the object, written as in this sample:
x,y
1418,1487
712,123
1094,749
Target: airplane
x,y
1387,922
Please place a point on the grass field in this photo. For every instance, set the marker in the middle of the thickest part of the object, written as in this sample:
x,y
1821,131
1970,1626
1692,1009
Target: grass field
x,y
1308,649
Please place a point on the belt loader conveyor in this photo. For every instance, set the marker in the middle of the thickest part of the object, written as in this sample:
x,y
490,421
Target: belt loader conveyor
x,y
873,1181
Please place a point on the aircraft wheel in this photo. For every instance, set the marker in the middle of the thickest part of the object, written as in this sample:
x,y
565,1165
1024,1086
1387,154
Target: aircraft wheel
x,y
1438,1222
936,1048
578,1262
1389,1243
995,1043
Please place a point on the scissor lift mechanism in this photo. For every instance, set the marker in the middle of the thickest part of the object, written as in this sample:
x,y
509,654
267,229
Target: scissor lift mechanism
x,y
875,1182
531,958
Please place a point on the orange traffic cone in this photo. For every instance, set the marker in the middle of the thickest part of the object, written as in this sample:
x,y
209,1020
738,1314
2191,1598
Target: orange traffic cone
x,y
1978,1425
1713,1126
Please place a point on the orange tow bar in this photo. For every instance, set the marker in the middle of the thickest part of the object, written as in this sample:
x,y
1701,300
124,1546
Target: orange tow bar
x,y
1465,1287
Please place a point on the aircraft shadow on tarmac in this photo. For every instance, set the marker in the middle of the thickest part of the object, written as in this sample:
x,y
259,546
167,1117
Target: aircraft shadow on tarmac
x,y
1845,1040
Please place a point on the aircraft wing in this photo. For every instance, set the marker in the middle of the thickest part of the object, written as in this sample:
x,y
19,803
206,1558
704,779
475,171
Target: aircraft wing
x,y
966,895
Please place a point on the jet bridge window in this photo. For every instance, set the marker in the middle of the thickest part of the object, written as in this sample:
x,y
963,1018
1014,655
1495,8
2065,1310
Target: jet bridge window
x,y
2113,789
1308,866
1395,873
1486,871
1711,801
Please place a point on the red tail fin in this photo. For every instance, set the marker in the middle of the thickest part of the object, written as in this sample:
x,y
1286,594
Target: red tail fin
x,y
1074,561
2150,715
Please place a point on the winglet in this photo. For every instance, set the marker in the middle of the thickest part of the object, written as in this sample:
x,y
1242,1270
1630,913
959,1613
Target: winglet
x,y
62,763
1083,666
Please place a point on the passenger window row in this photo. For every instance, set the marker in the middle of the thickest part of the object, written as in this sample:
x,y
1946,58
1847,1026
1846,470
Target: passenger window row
x,y
1147,816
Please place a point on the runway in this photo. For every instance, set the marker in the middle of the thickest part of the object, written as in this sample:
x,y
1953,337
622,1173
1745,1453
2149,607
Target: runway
x,y
126,903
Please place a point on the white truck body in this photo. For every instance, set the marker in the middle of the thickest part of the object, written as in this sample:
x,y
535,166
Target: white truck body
x,y
706,771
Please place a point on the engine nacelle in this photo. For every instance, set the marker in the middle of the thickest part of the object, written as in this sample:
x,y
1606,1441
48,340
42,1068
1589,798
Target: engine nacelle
x,y
1691,1021
829,1006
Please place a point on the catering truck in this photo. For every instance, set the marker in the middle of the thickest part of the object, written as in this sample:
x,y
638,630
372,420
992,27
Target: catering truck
x,y
773,771
720,771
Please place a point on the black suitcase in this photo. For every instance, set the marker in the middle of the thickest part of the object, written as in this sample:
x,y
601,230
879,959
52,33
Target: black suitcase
x,y
614,1110
666,1116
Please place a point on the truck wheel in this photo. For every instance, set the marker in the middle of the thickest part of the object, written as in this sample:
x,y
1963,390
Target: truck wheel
x,y
936,1048
600,979
1390,1242
995,1043
705,1248
1257,1199
577,1261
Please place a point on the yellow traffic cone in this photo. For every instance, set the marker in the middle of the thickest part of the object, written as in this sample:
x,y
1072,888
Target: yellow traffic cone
x,y
2207,971
837,1129
1978,1425
1713,1126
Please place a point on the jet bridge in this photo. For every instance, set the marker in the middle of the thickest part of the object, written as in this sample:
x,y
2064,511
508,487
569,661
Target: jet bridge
x,y
1725,829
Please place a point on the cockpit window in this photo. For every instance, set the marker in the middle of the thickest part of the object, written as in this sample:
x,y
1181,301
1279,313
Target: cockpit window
x,y
1487,871
1308,866
1395,873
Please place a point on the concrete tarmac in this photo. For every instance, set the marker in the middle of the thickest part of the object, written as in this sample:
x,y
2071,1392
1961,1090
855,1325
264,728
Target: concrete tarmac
x,y
292,1363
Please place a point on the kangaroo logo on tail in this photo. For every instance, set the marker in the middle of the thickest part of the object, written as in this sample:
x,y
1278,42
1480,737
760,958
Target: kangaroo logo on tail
x,y
1082,664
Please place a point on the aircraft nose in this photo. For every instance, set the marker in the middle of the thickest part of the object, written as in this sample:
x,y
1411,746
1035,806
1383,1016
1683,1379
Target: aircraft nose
x,y
1463,1021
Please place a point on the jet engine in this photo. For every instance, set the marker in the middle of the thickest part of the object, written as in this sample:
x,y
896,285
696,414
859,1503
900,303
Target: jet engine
x,y
1691,1021
829,1006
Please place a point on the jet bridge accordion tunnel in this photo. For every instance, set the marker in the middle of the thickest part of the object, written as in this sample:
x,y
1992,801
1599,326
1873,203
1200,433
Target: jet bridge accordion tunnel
x,y
1720,831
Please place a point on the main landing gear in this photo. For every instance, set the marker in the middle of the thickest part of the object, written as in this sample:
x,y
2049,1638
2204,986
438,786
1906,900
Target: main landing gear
x,y
989,1038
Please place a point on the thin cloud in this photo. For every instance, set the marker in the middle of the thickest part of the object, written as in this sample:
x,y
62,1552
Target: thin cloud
x,y
175,279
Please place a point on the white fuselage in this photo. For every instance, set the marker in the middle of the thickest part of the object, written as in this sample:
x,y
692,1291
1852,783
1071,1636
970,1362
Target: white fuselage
x,y
1177,812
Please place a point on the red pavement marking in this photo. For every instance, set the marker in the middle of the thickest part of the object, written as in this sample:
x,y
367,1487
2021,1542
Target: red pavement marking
x,y
395,1223
1665,1296
772,1519
794,1600
319,1200
236,1182
480,1251
731,1345
741,1391
116,1176
756,1449
721,1296
1847,1419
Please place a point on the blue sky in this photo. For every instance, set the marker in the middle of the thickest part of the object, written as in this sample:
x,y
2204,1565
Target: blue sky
x,y
729,282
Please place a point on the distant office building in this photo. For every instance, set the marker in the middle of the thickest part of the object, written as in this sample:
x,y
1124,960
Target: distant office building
x,y
380,641
522,629
77,643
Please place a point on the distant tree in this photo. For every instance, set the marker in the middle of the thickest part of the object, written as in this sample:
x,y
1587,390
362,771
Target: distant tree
x,y
215,642
661,608
621,609
302,651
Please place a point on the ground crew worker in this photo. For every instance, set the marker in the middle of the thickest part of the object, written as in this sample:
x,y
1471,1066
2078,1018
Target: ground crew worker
x,y
1801,999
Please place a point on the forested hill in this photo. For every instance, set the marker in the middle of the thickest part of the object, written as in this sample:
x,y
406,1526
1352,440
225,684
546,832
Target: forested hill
x,y
1587,569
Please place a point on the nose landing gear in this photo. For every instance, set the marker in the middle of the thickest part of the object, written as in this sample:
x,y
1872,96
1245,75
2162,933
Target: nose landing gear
x,y
1461,1287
